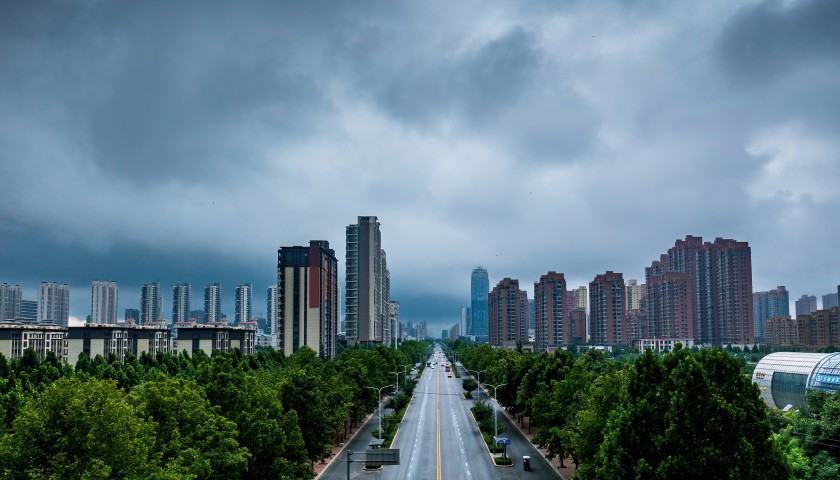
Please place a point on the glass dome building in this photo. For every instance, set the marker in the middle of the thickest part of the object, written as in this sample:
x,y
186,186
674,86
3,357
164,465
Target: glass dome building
x,y
784,377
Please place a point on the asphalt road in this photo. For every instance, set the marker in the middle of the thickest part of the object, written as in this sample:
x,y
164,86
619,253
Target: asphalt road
x,y
438,440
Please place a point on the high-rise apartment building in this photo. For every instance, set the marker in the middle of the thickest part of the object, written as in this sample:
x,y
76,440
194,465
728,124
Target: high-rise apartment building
x,y
10,297
578,298
213,303
829,301
806,305
479,289
243,303
607,310
389,333
54,304
368,283
104,297
181,303
151,303
669,305
394,317
29,311
507,314
307,298
552,317
635,293
766,305
720,282
271,309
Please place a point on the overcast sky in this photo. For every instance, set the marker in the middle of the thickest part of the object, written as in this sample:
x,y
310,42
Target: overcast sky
x,y
187,141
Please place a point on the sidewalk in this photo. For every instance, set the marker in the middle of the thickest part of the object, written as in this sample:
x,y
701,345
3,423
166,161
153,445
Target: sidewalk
x,y
322,465
566,472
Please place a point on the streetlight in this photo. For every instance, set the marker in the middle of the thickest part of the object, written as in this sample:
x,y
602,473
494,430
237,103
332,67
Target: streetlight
x,y
478,374
495,417
379,398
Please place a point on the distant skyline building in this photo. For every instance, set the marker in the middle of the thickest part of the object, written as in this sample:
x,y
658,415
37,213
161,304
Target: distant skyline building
x,y
507,314
766,305
635,293
151,309
242,305
132,315
271,309
394,318
607,310
806,305
54,304
307,302
197,316
213,303
552,322
10,298
29,310
181,303
104,300
367,282
829,301
479,289
578,298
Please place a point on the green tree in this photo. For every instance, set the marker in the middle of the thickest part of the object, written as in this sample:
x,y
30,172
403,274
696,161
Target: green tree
x,y
189,434
690,417
79,429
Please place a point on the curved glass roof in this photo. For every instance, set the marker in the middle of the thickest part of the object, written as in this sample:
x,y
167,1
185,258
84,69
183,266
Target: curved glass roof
x,y
796,369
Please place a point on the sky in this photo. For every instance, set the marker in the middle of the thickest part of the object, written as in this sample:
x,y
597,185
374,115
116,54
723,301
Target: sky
x,y
187,141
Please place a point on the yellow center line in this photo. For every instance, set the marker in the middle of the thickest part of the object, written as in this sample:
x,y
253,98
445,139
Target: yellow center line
x,y
439,477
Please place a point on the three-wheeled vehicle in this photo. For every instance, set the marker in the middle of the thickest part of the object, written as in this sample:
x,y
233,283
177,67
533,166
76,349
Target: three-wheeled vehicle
x,y
526,462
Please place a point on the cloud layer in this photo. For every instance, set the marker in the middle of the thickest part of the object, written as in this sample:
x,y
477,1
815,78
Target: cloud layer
x,y
188,141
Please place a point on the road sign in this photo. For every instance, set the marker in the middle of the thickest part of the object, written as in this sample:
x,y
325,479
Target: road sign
x,y
502,441
383,456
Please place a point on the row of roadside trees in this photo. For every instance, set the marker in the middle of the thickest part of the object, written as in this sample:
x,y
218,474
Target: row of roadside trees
x,y
179,416
686,414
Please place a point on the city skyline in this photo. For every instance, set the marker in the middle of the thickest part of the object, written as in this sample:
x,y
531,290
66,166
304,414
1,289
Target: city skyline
x,y
577,137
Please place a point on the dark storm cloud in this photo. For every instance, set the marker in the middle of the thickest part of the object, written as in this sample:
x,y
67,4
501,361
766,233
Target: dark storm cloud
x,y
477,85
159,93
769,39
186,141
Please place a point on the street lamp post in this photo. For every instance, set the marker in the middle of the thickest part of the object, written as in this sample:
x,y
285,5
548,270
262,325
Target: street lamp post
x,y
397,373
495,416
379,399
478,374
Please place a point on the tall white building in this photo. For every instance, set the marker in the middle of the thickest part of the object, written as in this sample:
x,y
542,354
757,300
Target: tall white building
x,y
394,319
213,303
271,309
181,294
635,293
367,284
243,303
10,297
151,309
54,303
104,300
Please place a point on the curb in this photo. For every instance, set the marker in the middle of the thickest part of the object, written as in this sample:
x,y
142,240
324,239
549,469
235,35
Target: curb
x,y
346,443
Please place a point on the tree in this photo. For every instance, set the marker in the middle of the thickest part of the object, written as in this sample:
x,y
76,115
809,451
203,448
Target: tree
x,y
190,434
689,416
78,429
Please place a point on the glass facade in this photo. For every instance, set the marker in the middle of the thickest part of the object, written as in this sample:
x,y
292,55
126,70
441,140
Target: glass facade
x,y
480,288
784,377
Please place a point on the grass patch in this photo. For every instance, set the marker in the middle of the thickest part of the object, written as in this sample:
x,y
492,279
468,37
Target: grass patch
x,y
503,461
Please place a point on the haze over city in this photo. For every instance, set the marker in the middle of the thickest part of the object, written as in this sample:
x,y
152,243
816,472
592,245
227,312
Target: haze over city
x,y
186,142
